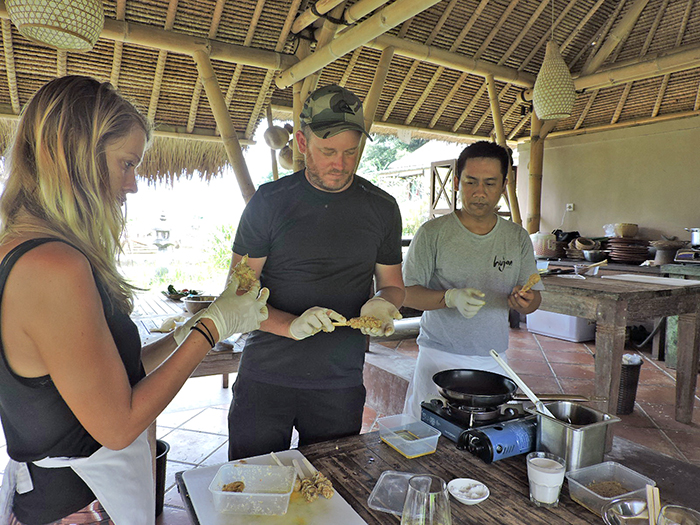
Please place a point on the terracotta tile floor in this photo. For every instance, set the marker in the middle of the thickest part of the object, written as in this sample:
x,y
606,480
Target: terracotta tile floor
x,y
195,423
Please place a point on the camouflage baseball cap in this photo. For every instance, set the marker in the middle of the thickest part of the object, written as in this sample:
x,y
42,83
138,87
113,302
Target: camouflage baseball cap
x,y
331,110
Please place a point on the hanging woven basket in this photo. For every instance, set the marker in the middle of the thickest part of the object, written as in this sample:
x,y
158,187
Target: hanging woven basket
x,y
554,93
71,25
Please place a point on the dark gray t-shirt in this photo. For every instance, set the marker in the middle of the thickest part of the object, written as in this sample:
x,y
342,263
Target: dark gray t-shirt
x,y
445,254
321,250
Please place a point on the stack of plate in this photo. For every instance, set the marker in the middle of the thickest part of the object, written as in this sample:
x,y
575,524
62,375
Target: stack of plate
x,y
626,250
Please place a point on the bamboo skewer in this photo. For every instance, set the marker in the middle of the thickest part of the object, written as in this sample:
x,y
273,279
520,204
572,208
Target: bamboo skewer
x,y
653,503
276,459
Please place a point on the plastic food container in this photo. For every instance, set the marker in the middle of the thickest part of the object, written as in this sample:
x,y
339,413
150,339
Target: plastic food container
x,y
579,481
408,435
267,489
389,492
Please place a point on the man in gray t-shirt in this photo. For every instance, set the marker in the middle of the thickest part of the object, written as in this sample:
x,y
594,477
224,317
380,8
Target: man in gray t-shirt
x,y
465,270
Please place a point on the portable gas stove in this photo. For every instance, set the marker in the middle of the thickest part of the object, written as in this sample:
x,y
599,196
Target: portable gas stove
x,y
688,255
488,433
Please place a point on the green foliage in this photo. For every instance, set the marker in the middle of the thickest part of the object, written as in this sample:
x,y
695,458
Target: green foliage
x,y
220,246
384,150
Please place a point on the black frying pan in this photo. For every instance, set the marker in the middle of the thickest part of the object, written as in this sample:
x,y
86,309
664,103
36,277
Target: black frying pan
x,y
475,388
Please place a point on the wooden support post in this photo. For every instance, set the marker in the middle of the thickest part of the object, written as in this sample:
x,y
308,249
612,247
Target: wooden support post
x,y
303,51
535,179
501,140
224,123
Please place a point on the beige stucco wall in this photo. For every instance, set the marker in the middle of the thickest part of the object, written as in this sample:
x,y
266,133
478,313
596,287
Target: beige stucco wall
x,y
648,175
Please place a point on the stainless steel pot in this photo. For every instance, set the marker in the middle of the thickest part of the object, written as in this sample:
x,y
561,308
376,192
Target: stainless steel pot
x,y
694,237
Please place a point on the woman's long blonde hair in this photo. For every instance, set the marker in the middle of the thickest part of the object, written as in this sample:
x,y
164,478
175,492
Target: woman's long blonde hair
x,y
57,181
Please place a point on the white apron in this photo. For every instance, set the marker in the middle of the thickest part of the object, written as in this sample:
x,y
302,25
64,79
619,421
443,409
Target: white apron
x,y
430,362
122,481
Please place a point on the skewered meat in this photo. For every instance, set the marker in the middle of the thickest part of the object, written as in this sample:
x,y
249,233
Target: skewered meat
x,y
245,274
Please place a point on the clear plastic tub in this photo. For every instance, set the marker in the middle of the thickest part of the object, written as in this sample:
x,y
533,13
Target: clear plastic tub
x,y
267,489
579,481
409,436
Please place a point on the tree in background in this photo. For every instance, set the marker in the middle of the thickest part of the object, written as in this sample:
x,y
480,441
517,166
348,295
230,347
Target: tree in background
x,y
382,151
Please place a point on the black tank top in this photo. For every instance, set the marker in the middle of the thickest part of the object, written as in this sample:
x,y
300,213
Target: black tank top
x,y
38,423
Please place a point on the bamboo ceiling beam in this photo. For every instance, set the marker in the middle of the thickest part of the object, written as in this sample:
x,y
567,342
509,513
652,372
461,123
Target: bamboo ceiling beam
x,y
393,128
652,65
298,159
162,130
463,77
223,121
474,100
408,77
265,92
197,90
160,64
273,154
118,48
518,127
153,37
442,57
324,37
679,40
351,65
486,114
619,34
501,139
308,17
10,65
388,18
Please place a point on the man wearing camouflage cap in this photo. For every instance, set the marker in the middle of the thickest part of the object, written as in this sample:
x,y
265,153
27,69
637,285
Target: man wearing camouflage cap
x,y
318,239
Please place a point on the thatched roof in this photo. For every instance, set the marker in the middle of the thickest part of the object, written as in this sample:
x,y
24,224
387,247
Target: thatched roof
x,y
633,61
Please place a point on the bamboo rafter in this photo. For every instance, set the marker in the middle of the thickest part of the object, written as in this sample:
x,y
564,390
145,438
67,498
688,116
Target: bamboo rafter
x,y
198,86
61,63
597,39
589,104
265,91
10,65
160,64
118,48
679,39
645,47
463,77
408,78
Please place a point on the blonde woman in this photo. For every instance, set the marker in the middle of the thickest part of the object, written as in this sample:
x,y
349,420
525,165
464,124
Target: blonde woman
x,y
77,391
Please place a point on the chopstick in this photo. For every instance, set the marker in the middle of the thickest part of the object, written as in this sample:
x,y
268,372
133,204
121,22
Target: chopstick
x,y
653,503
276,459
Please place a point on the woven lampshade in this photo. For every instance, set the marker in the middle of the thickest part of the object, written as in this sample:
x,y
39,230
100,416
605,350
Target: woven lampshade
x,y
554,94
72,25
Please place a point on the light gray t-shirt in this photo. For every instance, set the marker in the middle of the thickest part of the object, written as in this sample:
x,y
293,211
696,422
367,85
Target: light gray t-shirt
x,y
445,254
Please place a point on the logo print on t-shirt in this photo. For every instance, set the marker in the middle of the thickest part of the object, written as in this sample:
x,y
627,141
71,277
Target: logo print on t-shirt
x,y
501,264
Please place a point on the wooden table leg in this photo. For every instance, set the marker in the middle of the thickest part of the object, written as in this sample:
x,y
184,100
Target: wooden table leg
x,y
609,346
687,368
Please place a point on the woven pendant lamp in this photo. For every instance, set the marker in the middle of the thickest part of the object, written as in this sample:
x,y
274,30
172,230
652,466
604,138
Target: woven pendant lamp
x,y
71,25
554,94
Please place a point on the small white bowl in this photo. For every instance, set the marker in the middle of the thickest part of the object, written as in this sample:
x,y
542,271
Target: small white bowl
x,y
468,491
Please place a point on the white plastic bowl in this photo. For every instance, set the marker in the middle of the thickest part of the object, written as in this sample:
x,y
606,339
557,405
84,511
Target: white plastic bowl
x,y
468,491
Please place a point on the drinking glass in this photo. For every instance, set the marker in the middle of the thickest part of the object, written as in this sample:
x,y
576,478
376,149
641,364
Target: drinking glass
x,y
677,515
427,502
545,472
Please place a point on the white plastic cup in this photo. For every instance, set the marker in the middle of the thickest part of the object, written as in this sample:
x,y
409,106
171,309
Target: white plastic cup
x,y
545,472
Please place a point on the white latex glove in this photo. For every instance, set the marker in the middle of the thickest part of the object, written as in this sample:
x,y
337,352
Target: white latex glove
x,y
234,314
181,330
313,321
466,300
383,310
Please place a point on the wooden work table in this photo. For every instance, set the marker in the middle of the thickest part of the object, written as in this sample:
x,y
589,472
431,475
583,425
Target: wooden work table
x,y
354,465
611,303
